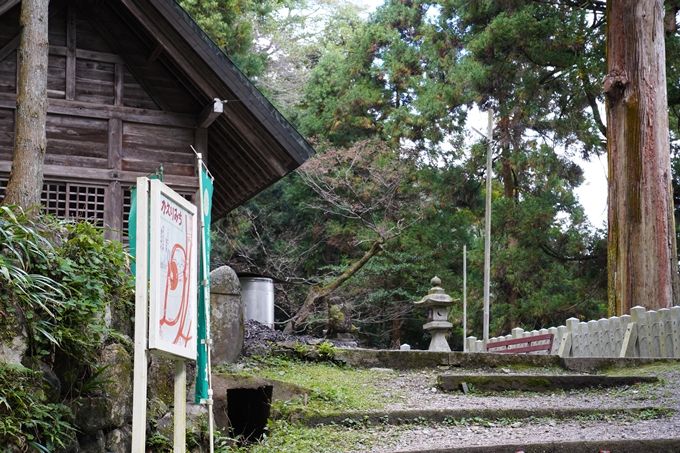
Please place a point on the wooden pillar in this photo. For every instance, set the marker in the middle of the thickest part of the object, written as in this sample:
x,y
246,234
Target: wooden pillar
x,y
71,53
119,83
113,209
113,212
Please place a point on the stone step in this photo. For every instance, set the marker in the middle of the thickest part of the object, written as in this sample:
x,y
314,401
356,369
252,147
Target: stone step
x,y
536,383
670,445
408,416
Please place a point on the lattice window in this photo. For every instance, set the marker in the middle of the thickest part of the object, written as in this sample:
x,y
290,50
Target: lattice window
x,y
53,198
80,201
70,200
86,203
74,201
127,202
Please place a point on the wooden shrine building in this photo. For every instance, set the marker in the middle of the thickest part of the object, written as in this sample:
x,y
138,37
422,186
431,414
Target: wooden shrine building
x,y
132,85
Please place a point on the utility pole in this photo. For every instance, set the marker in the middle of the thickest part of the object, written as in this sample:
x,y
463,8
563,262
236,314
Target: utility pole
x,y
487,231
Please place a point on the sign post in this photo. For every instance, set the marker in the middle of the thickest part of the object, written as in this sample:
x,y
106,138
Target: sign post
x,y
141,316
166,227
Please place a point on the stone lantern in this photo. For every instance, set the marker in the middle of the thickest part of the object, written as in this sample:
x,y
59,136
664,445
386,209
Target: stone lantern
x,y
438,325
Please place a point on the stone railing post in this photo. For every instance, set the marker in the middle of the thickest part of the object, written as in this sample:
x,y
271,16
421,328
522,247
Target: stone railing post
x,y
615,335
675,331
568,338
639,316
605,339
654,333
594,339
471,345
665,333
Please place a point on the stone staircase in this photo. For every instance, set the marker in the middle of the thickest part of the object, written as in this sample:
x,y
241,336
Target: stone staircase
x,y
476,403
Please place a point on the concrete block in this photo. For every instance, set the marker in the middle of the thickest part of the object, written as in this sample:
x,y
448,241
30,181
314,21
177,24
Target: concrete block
x,y
538,383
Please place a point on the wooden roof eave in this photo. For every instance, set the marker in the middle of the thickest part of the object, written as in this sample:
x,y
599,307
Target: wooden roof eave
x,y
6,5
188,45
258,105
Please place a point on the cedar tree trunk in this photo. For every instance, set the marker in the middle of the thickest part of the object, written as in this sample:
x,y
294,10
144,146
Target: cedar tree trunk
x,y
26,179
641,250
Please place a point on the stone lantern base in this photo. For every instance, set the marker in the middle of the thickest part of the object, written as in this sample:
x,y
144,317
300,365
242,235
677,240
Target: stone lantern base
x,y
438,330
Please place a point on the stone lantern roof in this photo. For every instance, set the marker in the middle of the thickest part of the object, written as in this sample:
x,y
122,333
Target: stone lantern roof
x,y
436,296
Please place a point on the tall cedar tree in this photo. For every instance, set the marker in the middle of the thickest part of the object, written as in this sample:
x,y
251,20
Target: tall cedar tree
x,y
642,249
30,142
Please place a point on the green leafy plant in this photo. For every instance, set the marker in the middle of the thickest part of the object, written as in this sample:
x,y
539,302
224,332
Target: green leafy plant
x,y
327,351
159,443
26,419
301,349
59,282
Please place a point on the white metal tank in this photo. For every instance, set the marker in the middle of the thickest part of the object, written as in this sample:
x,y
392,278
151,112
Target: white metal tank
x,y
258,299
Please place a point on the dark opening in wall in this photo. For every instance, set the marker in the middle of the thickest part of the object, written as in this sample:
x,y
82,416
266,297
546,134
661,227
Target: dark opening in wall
x,y
248,411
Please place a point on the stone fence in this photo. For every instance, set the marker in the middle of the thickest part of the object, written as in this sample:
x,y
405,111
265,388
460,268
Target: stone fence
x,y
641,334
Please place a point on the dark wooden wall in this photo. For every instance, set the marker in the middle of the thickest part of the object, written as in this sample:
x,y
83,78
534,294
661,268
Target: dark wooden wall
x,y
106,123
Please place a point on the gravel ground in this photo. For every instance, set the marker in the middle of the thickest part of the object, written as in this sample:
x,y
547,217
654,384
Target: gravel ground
x,y
418,391
456,437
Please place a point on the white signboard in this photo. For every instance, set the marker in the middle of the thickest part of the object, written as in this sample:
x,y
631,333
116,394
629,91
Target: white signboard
x,y
173,250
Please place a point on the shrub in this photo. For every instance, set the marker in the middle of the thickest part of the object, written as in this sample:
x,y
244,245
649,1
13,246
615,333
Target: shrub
x,y
26,420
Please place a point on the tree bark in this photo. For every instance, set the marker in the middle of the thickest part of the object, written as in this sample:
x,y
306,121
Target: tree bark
x,y
30,142
642,251
317,293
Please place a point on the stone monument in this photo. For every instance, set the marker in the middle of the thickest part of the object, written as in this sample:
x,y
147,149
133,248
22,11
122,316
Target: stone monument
x,y
226,316
438,325
339,322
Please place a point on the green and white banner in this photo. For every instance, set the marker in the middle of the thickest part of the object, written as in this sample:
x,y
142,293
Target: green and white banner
x,y
202,362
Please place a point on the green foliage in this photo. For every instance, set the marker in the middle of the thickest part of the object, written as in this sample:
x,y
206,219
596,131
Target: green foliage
x,y
159,443
75,275
58,281
327,351
409,74
21,250
26,419
230,24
